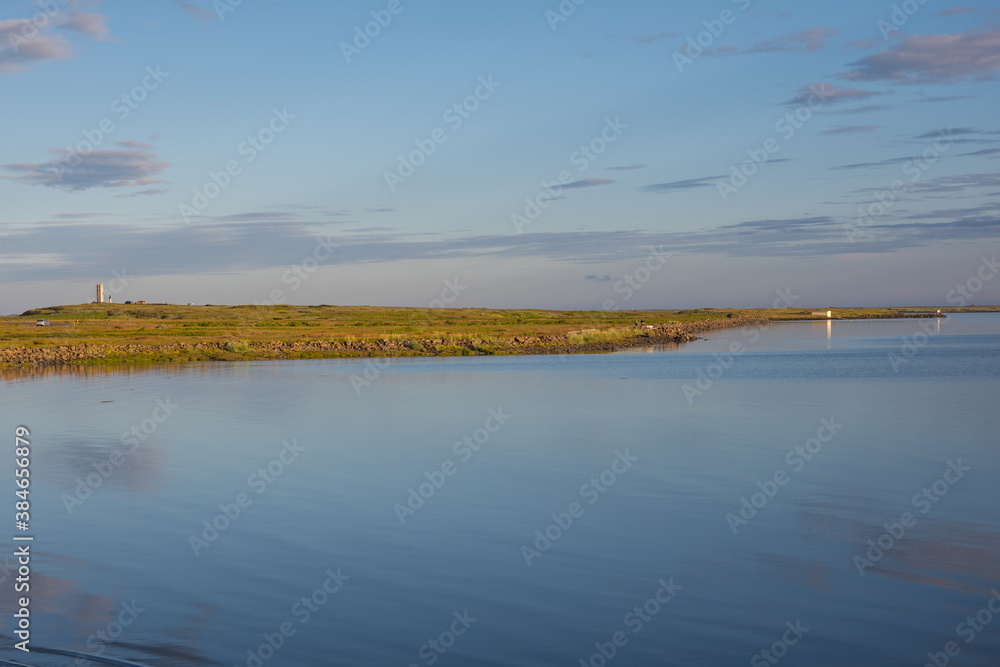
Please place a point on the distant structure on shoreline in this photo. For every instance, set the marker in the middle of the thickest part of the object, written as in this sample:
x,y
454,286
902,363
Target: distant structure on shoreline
x,y
100,293
822,313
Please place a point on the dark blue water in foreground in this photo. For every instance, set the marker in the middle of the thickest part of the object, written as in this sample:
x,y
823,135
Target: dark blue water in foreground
x,y
699,526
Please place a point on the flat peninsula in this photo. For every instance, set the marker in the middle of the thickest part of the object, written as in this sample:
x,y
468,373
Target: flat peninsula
x,y
112,334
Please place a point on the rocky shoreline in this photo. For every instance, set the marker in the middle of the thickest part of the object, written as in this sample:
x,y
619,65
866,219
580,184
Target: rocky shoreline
x,y
573,343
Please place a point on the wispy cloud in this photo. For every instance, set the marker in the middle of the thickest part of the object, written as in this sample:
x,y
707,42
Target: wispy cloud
x,y
965,9
23,43
190,8
90,24
238,246
953,131
801,41
688,184
146,193
877,163
949,58
110,168
16,52
943,98
863,44
829,94
629,167
961,183
851,129
868,108
587,183
645,39
955,11
985,151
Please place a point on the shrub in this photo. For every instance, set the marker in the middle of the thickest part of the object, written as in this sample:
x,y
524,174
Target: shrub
x,y
237,346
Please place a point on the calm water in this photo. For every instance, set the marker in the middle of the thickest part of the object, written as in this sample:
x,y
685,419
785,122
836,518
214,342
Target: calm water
x,y
830,436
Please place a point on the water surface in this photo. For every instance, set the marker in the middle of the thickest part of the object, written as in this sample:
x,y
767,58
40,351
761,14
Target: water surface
x,y
652,451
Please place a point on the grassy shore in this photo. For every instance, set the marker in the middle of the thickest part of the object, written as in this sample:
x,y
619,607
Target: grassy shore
x,y
112,333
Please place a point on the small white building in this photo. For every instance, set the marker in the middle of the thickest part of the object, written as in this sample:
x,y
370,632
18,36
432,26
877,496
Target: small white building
x,y
823,313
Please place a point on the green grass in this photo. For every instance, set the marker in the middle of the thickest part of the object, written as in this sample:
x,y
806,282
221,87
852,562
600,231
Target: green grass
x,y
232,331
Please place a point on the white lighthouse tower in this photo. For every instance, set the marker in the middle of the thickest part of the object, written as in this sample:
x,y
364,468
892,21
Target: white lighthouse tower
x,y
100,293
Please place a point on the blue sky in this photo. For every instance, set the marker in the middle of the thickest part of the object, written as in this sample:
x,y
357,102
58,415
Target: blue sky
x,y
537,154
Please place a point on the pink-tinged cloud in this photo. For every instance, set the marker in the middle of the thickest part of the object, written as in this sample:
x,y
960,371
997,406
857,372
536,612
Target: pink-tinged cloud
x,y
825,93
189,7
966,9
25,42
99,168
955,11
22,44
91,25
950,58
802,41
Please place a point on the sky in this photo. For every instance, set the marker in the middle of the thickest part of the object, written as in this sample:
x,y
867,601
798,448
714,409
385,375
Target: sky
x,y
573,154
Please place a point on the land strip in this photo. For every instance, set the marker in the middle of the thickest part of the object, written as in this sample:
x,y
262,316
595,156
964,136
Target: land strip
x,y
153,333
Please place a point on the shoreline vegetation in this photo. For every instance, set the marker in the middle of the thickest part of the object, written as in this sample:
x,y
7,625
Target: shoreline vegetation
x,y
114,334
